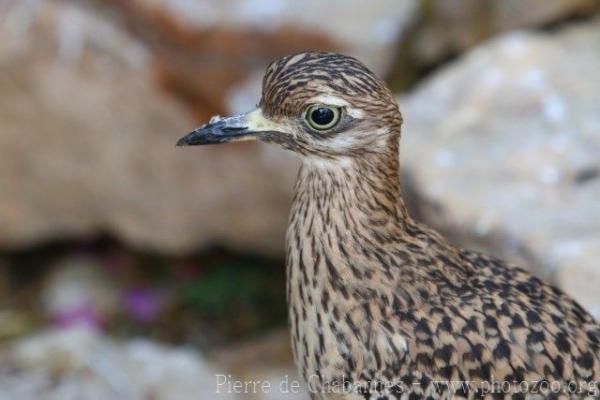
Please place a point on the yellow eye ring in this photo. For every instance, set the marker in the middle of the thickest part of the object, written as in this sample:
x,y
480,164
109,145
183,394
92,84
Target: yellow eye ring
x,y
321,117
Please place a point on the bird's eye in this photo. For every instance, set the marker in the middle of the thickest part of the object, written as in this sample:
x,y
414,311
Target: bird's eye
x,y
322,117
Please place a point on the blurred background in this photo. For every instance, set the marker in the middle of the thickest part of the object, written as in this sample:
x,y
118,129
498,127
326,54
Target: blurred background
x,y
130,269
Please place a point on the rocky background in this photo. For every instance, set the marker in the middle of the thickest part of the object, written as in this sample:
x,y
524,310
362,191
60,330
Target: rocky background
x,y
133,270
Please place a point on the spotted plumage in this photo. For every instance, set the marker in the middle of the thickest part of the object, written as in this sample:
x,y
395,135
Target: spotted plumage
x,y
380,306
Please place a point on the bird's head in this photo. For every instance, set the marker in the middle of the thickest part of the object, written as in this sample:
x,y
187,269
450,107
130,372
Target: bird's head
x,y
322,105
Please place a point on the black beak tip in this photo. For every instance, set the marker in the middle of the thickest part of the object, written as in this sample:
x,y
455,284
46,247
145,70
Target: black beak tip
x,y
188,140
182,142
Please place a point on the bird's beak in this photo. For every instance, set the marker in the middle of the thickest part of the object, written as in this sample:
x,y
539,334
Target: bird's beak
x,y
237,128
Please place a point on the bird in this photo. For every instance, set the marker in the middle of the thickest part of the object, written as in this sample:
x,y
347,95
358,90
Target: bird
x,y
380,305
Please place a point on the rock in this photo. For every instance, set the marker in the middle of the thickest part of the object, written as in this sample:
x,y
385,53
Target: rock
x,y
453,26
444,29
80,364
88,146
91,110
502,146
88,131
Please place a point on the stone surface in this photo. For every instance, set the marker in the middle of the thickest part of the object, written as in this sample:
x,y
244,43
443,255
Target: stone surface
x,y
503,146
444,29
87,146
455,25
368,30
92,106
84,365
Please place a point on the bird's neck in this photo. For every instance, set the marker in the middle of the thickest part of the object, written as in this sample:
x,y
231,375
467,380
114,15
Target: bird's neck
x,y
346,215
353,193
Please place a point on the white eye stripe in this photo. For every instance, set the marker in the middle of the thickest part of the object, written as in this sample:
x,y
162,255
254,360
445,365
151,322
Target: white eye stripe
x,y
331,100
355,112
339,102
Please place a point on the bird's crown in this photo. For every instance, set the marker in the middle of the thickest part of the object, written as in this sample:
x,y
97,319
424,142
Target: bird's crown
x,y
295,79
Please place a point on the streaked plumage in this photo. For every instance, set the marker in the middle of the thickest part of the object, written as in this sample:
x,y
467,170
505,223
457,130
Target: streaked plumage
x,y
380,306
